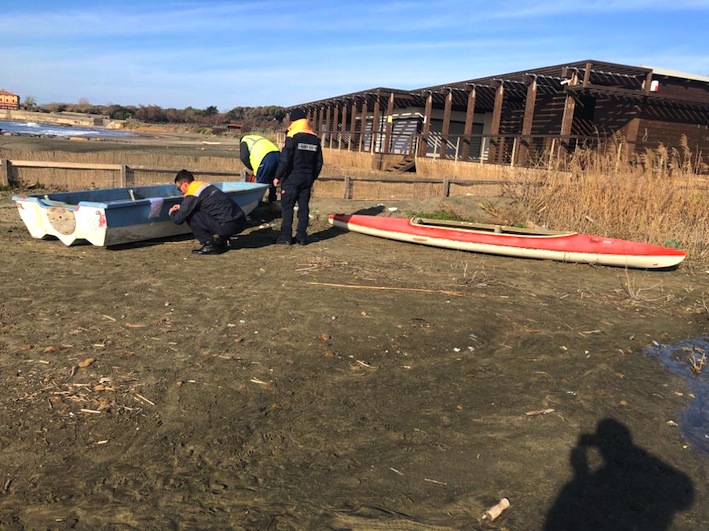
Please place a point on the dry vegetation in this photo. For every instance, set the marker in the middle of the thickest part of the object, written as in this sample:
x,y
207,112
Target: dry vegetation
x,y
658,197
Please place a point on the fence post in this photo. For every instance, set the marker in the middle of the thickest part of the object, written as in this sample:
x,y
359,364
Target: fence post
x,y
124,175
4,172
446,187
348,190
514,153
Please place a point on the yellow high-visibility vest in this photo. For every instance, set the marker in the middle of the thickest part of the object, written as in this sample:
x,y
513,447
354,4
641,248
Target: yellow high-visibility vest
x,y
259,147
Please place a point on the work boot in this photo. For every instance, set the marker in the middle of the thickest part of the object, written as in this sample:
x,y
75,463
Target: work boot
x,y
209,248
222,243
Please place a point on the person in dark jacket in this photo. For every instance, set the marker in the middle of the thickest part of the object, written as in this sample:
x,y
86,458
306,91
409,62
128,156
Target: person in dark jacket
x,y
210,213
300,164
260,155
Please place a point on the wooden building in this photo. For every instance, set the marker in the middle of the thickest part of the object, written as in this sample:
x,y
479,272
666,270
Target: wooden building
x,y
521,116
8,100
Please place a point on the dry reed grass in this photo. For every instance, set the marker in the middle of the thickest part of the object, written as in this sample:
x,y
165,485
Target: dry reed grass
x,y
351,160
657,197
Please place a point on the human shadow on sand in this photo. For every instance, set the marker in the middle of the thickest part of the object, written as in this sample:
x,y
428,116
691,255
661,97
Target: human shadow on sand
x,y
269,234
629,490
332,232
264,225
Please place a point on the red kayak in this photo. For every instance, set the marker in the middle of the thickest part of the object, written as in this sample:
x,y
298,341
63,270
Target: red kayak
x,y
514,241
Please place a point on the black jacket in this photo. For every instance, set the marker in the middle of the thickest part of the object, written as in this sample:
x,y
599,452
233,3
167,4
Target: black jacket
x,y
301,158
210,199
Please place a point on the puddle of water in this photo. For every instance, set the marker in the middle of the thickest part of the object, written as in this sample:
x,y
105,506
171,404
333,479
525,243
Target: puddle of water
x,y
679,359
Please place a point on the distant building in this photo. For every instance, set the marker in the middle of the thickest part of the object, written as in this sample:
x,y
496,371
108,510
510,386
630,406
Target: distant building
x,y
231,127
519,117
8,100
235,127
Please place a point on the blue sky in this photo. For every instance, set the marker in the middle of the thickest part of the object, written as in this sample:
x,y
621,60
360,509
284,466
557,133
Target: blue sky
x,y
245,53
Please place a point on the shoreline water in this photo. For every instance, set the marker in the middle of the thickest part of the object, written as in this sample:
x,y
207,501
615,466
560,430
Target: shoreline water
x,y
147,139
24,127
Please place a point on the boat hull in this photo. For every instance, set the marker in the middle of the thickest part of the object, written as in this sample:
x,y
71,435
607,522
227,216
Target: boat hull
x,y
514,242
116,216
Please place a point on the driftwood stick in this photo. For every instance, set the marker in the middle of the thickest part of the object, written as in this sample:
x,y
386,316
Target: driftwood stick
x,y
141,397
355,286
539,412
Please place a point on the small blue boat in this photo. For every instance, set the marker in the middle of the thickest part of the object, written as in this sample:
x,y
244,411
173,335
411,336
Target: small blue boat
x,y
115,216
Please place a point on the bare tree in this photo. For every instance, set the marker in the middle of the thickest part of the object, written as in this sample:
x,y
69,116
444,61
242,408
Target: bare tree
x,y
30,102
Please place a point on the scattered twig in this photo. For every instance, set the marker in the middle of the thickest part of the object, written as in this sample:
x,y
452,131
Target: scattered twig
x,y
395,471
697,363
90,411
633,292
354,286
704,305
137,395
72,372
108,317
434,481
539,412
257,381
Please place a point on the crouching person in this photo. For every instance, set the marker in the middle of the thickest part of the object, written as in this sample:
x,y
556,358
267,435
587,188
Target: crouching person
x,y
209,212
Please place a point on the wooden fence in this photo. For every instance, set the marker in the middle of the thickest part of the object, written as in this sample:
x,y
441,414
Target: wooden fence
x,y
116,175
436,187
369,187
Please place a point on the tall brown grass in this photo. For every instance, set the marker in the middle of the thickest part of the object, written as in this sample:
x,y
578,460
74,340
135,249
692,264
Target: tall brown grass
x,y
658,196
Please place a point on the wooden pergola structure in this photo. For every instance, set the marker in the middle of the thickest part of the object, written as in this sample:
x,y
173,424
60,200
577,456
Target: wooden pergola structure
x,y
516,116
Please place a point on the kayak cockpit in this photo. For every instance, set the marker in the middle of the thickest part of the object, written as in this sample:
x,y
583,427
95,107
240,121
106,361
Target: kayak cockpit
x,y
487,228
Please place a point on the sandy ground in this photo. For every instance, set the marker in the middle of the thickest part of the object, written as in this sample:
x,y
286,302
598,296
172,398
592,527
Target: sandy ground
x,y
354,383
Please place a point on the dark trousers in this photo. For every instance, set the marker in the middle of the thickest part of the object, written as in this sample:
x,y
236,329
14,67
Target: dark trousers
x,y
295,190
266,173
205,227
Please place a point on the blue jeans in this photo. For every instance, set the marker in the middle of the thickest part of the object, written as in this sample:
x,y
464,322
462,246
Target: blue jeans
x,y
266,173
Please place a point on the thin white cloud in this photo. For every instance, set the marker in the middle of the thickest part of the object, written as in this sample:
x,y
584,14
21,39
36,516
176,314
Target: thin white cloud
x,y
226,53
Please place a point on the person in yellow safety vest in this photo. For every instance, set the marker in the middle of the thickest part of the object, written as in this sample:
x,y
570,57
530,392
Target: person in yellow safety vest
x,y
260,155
